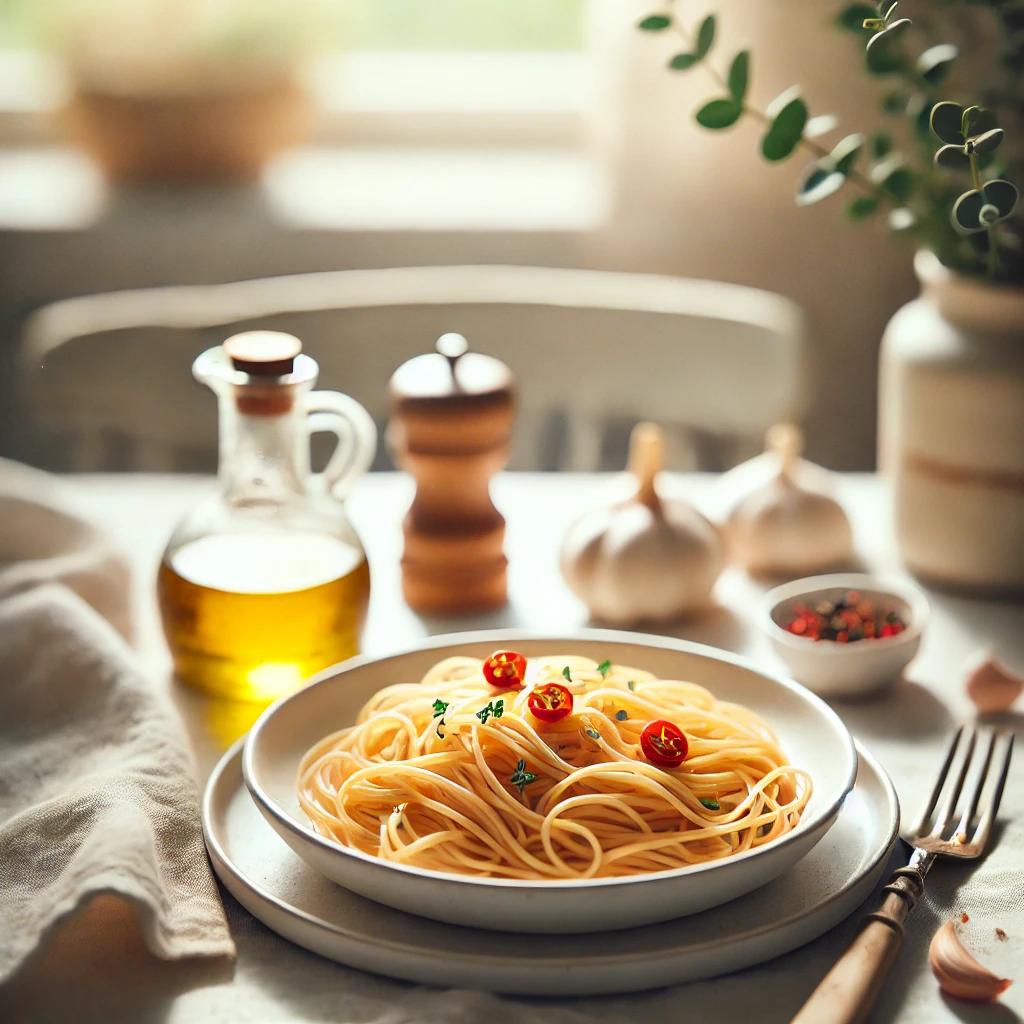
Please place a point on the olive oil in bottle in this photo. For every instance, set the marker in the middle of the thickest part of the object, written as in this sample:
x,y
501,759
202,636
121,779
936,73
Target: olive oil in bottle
x,y
266,582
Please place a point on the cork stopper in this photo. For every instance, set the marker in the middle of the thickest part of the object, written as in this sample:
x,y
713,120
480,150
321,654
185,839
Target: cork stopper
x,y
263,353
266,356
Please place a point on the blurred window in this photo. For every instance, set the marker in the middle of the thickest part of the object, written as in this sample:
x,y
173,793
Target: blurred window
x,y
435,72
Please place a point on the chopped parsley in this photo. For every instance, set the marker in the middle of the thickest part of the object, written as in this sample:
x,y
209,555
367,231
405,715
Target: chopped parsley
x,y
592,733
494,709
567,674
521,778
631,684
440,707
604,668
621,715
711,805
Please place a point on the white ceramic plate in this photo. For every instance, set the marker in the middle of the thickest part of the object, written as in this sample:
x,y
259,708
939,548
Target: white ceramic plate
x,y
297,902
810,732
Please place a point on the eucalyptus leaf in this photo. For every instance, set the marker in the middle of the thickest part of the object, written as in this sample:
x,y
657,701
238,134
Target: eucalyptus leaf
x,y
947,122
894,103
988,141
888,34
852,17
893,175
654,23
934,64
683,61
901,219
1002,194
719,113
977,120
884,54
846,151
952,158
706,36
966,211
881,144
861,207
821,124
739,76
783,99
820,181
786,130
920,109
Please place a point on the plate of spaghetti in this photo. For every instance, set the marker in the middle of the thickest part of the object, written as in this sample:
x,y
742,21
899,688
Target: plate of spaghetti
x,y
550,784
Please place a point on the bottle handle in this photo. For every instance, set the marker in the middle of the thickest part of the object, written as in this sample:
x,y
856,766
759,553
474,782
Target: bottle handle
x,y
334,413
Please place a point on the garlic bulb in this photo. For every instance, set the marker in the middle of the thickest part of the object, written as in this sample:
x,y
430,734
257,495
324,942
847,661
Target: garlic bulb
x,y
788,525
990,686
958,973
645,559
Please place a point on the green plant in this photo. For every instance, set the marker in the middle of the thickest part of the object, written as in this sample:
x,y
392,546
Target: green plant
x,y
919,190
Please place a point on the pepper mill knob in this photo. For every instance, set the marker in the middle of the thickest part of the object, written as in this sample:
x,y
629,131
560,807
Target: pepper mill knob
x,y
452,418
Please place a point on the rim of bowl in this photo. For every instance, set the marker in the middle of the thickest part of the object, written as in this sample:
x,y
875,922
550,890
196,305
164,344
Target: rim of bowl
x,y
892,800
890,586
501,637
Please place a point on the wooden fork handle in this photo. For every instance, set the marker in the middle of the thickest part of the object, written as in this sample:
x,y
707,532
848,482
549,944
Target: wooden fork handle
x,y
846,994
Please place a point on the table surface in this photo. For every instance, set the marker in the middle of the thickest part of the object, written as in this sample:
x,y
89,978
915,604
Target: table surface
x,y
273,980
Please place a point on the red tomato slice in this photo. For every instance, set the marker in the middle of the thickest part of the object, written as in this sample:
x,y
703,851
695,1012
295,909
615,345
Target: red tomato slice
x,y
664,744
505,669
550,703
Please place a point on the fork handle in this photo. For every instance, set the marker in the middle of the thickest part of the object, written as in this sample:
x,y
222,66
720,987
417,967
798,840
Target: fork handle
x,y
846,994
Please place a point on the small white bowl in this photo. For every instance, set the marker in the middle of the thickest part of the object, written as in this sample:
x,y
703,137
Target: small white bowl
x,y
810,732
845,669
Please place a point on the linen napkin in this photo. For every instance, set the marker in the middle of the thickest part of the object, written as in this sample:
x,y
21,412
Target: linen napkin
x,y
97,794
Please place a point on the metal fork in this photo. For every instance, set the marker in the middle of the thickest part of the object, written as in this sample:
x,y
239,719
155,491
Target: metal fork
x,y
975,755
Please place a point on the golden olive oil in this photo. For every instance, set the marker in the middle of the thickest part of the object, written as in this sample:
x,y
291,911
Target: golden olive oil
x,y
252,615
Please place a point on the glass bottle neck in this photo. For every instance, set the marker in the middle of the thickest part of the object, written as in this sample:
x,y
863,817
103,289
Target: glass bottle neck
x,y
264,458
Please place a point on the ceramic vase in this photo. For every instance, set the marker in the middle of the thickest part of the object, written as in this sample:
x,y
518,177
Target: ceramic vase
x,y
951,430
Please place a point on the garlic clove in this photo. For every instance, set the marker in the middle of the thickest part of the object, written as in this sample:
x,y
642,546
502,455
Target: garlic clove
x,y
990,686
788,524
646,559
959,975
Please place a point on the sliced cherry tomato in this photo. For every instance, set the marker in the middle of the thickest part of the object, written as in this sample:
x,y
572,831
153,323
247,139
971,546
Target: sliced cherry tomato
x,y
505,669
550,703
664,744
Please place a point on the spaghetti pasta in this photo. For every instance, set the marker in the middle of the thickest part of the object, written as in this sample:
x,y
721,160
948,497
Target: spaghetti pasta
x,y
456,775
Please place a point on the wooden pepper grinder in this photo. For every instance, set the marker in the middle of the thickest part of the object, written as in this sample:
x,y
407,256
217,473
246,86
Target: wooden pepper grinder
x,y
452,417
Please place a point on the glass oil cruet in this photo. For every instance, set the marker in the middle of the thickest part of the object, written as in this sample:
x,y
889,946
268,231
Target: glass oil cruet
x,y
266,582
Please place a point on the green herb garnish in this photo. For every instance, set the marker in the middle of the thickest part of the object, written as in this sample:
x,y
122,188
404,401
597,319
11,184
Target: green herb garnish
x,y
521,778
622,715
440,707
711,805
494,709
631,684
604,668
567,674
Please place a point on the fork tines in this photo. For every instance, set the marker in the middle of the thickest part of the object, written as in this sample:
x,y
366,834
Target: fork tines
x,y
969,786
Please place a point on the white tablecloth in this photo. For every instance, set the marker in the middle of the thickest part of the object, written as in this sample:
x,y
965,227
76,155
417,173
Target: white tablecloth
x,y
98,970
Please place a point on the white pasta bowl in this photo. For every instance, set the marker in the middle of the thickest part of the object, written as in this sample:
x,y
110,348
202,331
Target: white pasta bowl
x,y
810,733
